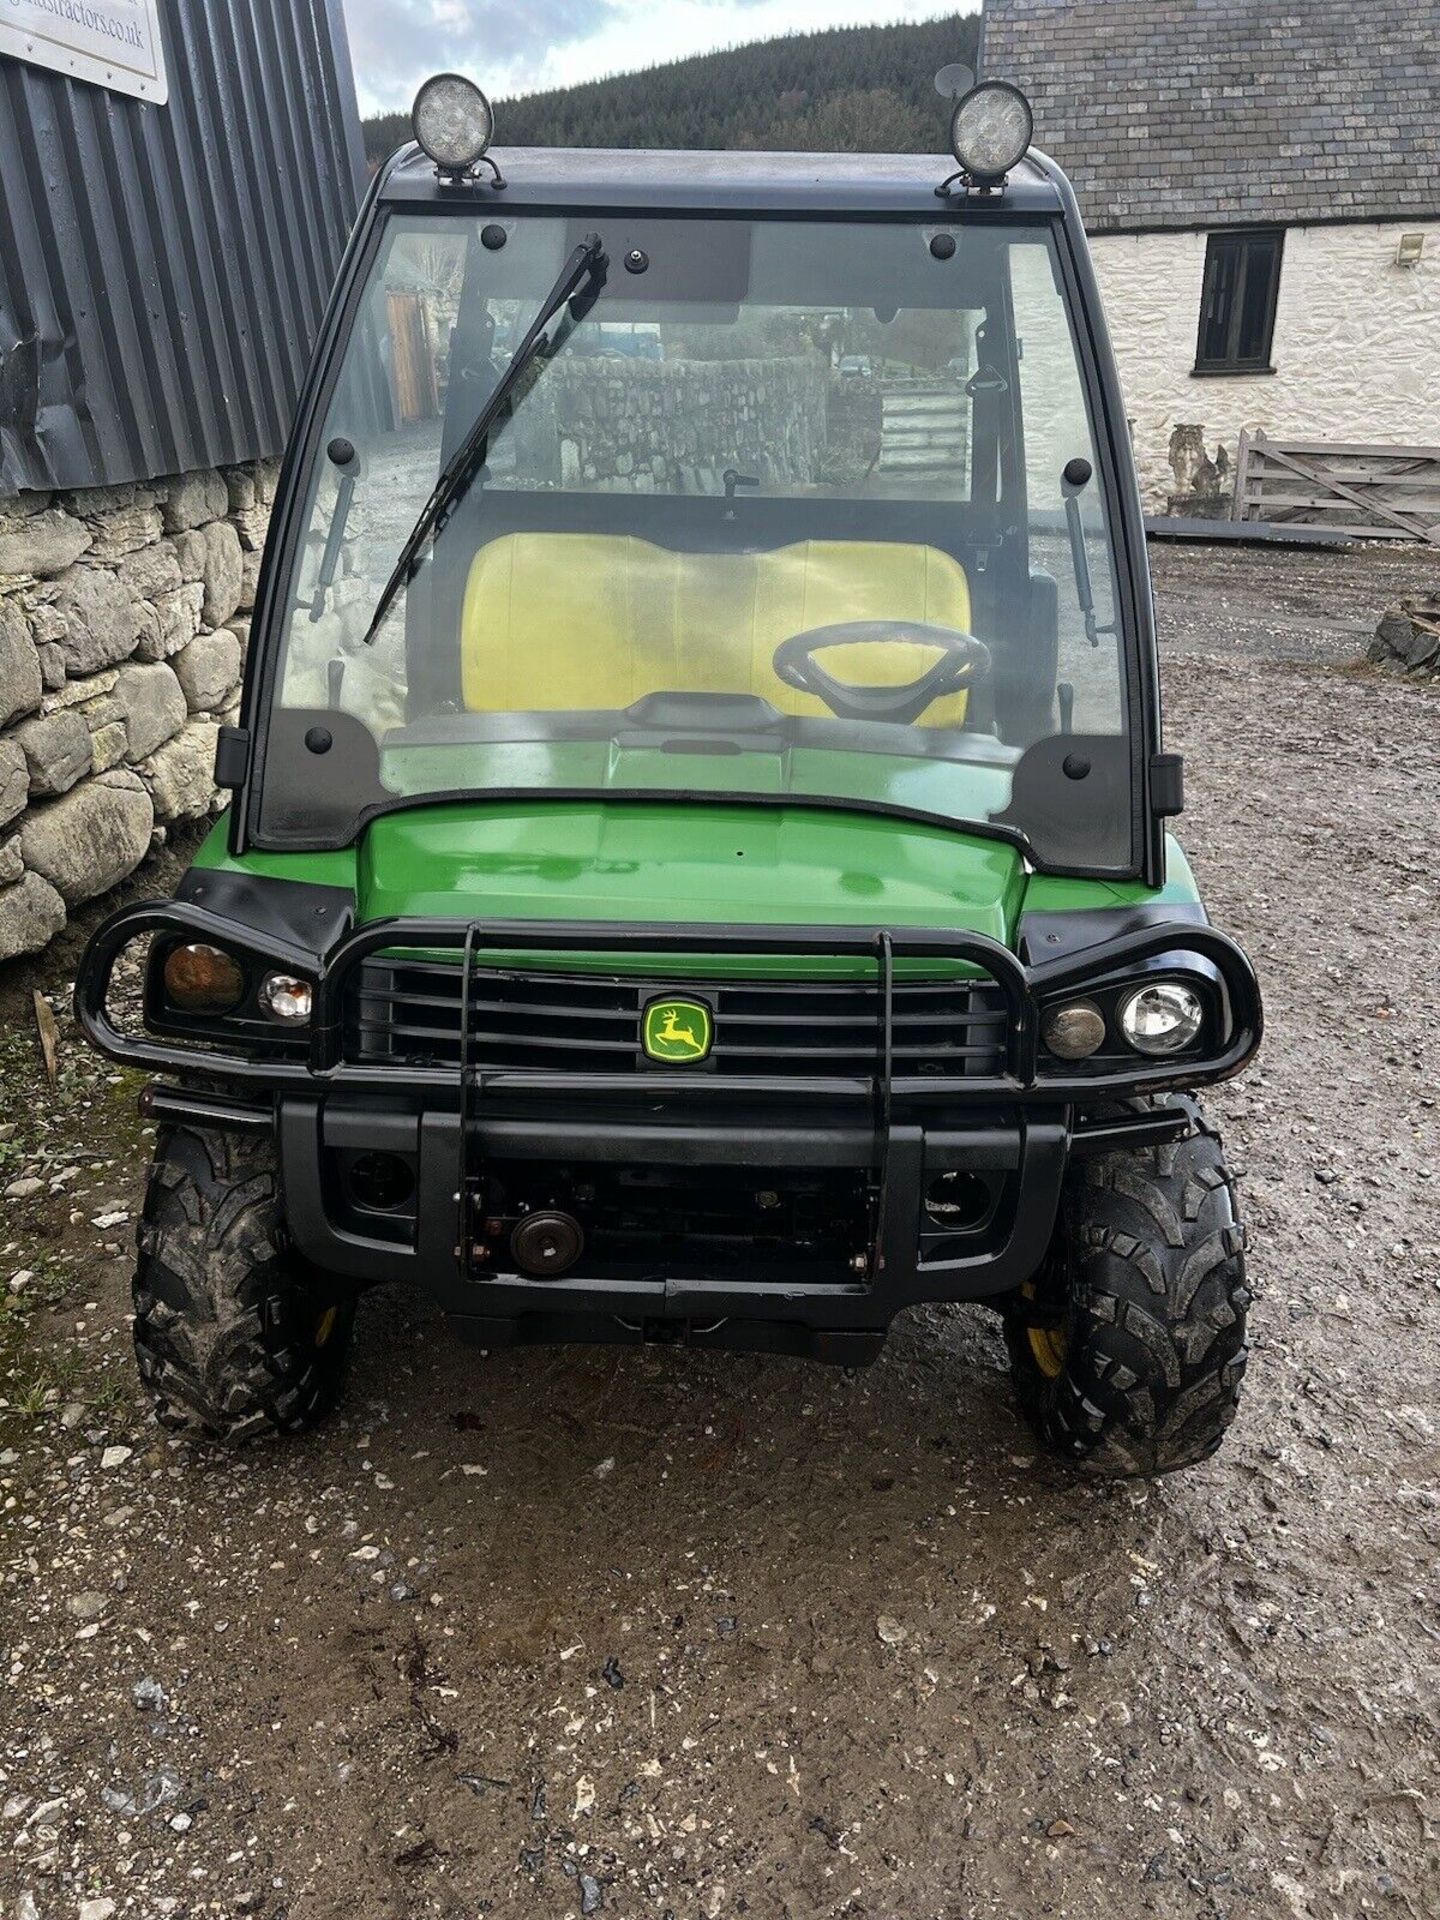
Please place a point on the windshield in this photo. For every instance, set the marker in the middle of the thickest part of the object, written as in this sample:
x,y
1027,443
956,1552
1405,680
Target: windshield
x,y
779,508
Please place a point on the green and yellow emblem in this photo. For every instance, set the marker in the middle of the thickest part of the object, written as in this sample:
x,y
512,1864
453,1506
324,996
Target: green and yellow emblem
x,y
676,1032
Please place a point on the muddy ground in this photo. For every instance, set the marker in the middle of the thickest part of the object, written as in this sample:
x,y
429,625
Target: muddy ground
x,y
573,1632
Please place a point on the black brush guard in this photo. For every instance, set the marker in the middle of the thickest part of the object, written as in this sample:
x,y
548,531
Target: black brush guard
x,y
902,1129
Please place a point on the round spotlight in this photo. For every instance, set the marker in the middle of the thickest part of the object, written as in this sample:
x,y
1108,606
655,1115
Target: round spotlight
x,y
381,1181
959,1201
453,122
203,979
1162,1019
1074,1031
990,130
286,997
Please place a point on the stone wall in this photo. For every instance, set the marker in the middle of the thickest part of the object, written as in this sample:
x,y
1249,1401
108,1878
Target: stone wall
x,y
123,627
672,426
1356,352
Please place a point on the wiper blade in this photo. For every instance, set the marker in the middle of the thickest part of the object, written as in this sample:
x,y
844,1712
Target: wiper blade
x,y
587,263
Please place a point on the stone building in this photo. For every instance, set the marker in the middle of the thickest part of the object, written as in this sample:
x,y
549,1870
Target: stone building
x,y
155,322
1261,184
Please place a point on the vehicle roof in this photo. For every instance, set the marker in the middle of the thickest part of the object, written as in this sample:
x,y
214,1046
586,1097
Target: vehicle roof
x,y
575,178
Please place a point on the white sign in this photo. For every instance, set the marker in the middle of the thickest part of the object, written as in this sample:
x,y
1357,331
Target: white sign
x,y
111,43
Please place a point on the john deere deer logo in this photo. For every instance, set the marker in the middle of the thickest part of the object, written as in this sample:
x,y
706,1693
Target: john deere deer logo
x,y
676,1032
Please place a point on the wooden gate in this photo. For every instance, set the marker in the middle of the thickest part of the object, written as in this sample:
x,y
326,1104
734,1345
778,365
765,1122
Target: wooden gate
x,y
1379,493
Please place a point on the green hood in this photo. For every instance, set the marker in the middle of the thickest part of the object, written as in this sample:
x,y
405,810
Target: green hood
x,y
612,860
599,860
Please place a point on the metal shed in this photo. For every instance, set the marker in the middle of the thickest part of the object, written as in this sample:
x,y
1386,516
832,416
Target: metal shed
x,y
163,268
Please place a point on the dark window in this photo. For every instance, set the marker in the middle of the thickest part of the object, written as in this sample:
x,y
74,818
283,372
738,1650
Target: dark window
x,y
1237,302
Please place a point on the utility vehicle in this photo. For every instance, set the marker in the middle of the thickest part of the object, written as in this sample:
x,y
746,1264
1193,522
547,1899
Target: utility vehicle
x,y
697,868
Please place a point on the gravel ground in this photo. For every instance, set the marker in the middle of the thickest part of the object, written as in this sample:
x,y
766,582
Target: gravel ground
x,y
639,1633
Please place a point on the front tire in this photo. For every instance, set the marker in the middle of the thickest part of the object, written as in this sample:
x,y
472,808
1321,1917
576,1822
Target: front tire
x,y
232,1333
1128,1349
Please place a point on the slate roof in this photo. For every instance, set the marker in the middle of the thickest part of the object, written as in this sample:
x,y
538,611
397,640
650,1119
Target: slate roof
x,y
1183,113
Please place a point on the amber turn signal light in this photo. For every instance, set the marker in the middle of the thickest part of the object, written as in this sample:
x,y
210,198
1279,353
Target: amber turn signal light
x,y
203,979
1073,1032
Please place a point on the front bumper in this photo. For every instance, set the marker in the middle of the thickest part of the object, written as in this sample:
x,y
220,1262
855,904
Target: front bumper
x,y
1021,1156
887,1135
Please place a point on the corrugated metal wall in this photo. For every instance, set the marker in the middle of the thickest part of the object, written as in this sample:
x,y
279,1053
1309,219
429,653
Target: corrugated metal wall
x,y
163,270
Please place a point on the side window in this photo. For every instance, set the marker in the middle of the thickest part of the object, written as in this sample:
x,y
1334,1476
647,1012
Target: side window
x,y
1237,301
1075,636
389,405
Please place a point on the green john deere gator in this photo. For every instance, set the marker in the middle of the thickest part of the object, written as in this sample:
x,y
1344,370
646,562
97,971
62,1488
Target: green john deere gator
x,y
697,868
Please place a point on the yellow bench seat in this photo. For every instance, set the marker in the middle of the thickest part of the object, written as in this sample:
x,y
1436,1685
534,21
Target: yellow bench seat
x,y
581,621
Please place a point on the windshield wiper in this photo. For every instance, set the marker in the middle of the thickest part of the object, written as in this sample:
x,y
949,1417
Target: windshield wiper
x,y
587,263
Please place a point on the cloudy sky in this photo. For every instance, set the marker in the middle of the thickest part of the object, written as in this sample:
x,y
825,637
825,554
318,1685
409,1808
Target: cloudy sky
x,y
516,46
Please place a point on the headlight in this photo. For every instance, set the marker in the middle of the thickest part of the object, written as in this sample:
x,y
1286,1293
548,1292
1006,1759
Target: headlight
x,y
284,997
203,979
1074,1031
1162,1018
453,122
990,130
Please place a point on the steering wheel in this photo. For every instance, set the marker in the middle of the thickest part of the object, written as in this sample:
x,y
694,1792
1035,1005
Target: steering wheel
x,y
963,661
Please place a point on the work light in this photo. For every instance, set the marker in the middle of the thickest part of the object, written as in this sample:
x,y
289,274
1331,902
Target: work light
x,y
1162,1018
453,122
990,130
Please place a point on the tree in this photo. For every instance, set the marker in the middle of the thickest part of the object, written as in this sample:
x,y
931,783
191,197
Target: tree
x,y
845,89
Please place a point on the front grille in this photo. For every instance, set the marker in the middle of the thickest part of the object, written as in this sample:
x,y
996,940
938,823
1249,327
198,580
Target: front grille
x,y
406,1013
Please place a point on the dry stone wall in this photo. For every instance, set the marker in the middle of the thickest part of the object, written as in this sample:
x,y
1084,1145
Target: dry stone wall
x,y
124,618
671,426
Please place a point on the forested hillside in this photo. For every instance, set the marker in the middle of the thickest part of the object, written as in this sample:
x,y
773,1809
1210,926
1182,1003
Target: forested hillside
x,y
855,89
